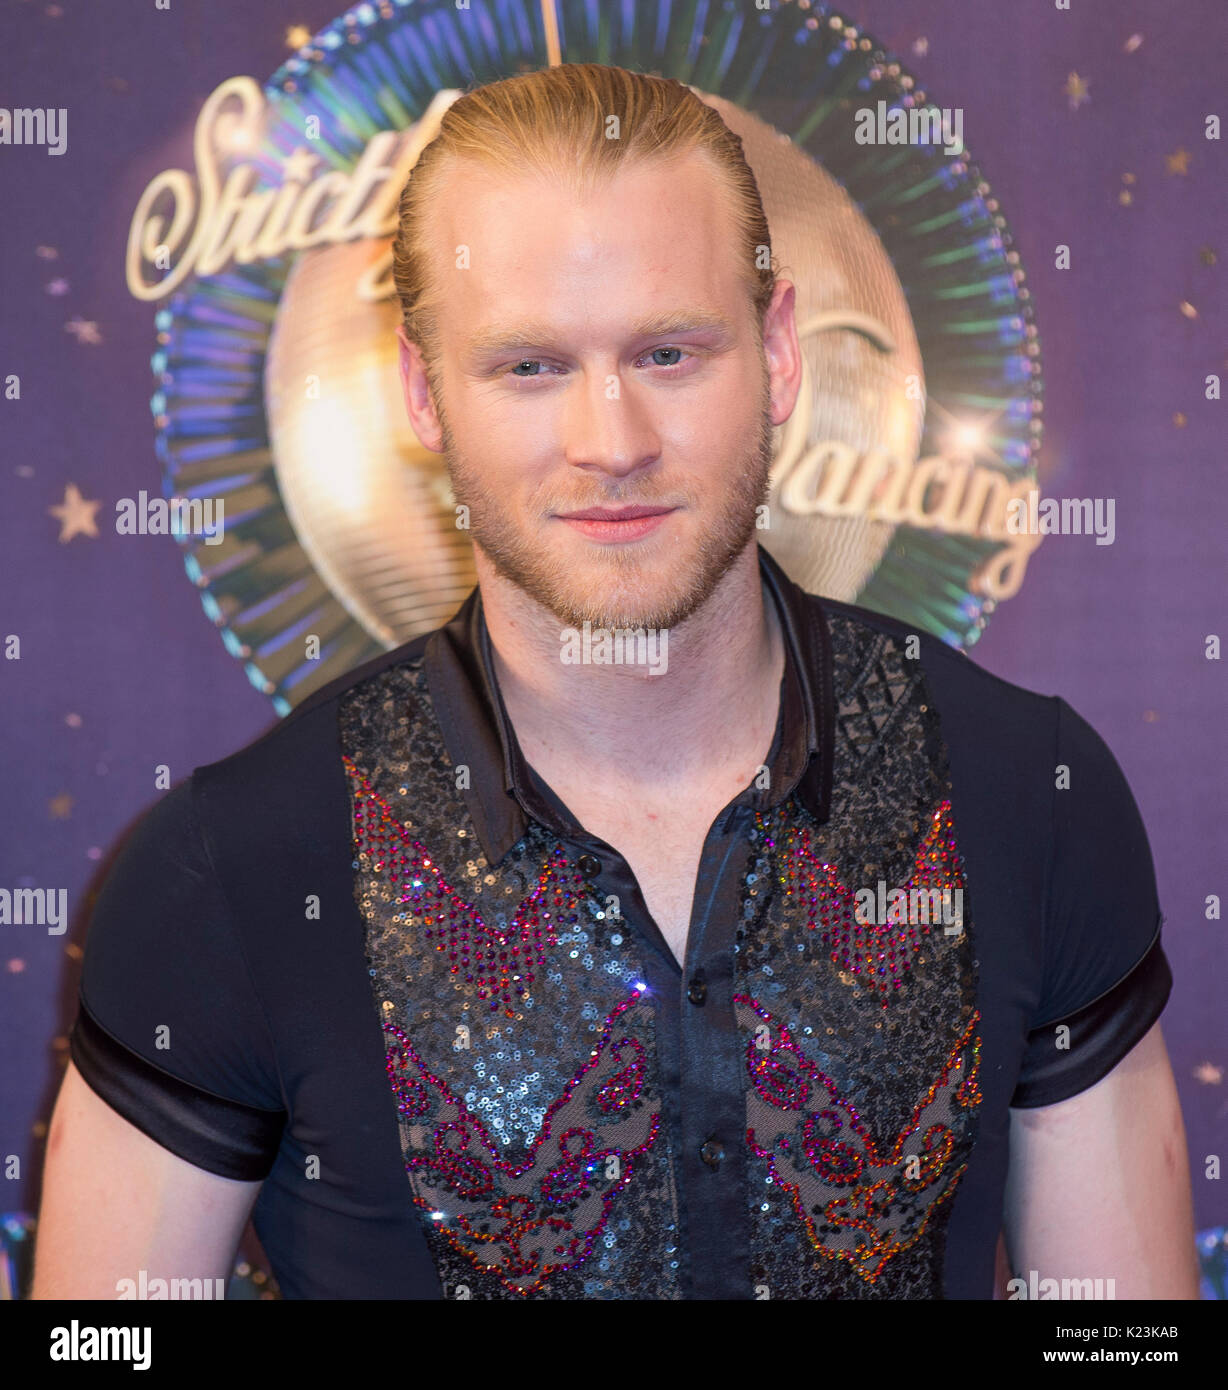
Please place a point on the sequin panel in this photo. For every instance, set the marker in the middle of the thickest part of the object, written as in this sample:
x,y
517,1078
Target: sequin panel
x,y
520,1035
860,1031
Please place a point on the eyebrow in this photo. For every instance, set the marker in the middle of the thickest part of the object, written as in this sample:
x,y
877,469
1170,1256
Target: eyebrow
x,y
490,341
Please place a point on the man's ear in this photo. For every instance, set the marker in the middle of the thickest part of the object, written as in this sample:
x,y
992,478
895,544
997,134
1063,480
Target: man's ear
x,y
416,392
783,353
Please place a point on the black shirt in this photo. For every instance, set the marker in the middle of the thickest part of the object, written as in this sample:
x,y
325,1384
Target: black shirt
x,y
373,960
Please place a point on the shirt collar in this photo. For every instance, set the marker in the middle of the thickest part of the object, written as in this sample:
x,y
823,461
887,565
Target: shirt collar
x,y
503,793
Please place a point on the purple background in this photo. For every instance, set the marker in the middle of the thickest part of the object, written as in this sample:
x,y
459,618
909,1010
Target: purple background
x,y
113,633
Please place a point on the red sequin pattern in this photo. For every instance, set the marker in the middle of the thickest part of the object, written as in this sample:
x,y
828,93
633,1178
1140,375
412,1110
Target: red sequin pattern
x,y
858,1201
501,965
524,1221
879,954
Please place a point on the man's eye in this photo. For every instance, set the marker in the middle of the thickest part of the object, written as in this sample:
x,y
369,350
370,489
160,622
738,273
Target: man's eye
x,y
535,363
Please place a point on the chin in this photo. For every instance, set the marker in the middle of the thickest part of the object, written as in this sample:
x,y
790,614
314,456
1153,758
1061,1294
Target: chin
x,y
636,586
658,599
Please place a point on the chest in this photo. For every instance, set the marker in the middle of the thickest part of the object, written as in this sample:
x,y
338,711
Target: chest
x,y
666,876
798,1079
662,847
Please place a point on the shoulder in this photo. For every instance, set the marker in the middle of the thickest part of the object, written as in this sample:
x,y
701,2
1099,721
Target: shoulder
x,y
311,726
969,697
288,783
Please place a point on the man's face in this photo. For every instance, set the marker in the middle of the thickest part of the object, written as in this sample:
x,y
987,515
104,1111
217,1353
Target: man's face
x,y
559,395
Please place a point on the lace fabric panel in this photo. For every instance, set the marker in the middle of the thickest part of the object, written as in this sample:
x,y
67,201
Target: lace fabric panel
x,y
520,1044
859,1025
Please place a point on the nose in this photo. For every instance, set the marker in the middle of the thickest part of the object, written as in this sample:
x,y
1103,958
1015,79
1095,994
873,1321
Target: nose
x,y
608,429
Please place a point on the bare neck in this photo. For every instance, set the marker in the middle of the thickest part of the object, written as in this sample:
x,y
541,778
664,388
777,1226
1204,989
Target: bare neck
x,y
709,715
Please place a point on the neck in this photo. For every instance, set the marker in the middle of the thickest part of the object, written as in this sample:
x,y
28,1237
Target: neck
x,y
712,711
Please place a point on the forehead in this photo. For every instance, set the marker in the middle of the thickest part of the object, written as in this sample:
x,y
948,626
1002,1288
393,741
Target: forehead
x,y
651,235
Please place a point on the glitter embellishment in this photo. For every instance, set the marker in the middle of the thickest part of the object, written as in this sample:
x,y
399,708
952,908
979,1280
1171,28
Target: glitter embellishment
x,y
523,1222
878,954
501,965
855,1203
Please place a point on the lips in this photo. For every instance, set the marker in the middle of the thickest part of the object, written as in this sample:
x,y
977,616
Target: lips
x,y
614,513
616,525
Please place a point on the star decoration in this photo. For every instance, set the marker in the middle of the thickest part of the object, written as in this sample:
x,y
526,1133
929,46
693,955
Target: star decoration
x,y
921,47
1206,254
60,806
1208,1073
84,330
46,253
1178,162
298,36
59,286
76,514
298,167
1133,43
1077,90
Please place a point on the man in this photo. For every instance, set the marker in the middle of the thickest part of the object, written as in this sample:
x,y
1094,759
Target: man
x,y
495,973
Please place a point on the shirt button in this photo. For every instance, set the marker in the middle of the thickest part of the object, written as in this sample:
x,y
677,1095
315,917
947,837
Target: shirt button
x,y
589,865
712,1153
697,991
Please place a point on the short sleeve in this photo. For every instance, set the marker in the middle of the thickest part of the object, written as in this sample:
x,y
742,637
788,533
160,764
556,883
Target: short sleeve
x,y
1105,975
169,1030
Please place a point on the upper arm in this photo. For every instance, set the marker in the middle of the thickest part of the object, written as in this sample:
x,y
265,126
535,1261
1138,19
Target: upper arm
x,y
1099,1187
116,1203
172,1110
